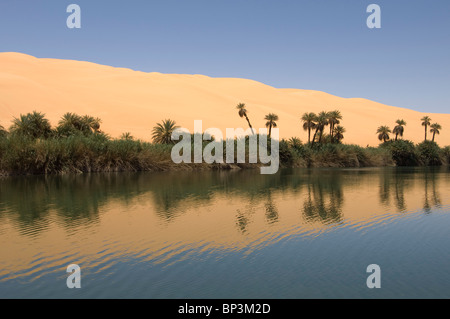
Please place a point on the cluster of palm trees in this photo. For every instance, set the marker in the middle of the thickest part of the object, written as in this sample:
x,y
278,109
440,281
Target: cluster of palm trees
x,y
311,121
72,123
318,122
384,130
34,125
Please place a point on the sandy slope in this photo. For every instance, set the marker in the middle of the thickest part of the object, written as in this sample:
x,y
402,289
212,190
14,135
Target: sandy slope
x,y
132,101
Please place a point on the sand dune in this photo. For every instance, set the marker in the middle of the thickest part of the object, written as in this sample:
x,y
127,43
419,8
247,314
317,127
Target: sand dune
x,y
133,101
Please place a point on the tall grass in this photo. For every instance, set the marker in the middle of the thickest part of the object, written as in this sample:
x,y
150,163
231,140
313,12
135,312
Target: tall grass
x,y
79,154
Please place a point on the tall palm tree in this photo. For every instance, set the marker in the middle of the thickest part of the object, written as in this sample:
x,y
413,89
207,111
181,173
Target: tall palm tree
x,y
399,128
339,133
334,118
321,122
162,132
271,119
309,124
435,129
33,125
426,121
243,113
383,133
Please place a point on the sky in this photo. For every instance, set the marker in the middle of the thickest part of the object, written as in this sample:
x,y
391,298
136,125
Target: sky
x,y
320,45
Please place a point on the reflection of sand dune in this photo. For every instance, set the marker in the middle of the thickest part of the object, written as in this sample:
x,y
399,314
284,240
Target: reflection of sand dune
x,y
133,101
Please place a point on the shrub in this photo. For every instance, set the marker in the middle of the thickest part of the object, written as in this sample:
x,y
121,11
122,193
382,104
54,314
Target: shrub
x,y
446,154
429,154
403,152
286,156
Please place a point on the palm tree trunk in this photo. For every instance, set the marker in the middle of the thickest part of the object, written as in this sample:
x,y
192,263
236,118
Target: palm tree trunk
x,y
270,130
434,133
425,132
248,121
314,137
396,135
309,135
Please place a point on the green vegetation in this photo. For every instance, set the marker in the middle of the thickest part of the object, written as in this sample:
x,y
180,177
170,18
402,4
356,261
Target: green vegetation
x,y
77,145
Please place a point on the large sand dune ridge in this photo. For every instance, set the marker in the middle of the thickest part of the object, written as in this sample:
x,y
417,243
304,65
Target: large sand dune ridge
x,y
133,101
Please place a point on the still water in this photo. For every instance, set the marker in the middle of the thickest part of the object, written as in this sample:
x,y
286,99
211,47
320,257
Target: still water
x,y
235,234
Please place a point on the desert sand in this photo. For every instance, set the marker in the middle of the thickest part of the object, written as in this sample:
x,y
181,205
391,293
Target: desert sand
x,y
133,101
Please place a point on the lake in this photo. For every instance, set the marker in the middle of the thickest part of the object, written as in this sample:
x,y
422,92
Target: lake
x,y
302,233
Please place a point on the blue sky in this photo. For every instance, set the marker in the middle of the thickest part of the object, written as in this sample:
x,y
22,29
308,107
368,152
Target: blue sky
x,y
314,44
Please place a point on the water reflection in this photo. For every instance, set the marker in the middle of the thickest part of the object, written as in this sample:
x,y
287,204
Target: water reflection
x,y
78,199
271,209
394,184
324,198
432,196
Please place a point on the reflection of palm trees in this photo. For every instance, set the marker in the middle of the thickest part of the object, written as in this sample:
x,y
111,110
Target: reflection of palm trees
x,y
400,193
434,201
385,189
242,221
324,200
271,210
394,184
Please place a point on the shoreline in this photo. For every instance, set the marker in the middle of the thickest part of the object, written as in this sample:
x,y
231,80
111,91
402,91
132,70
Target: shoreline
x,y
194,168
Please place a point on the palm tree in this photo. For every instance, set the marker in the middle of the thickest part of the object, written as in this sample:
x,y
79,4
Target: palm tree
x,y
85,124
295,142
308,120
127,136
338,133
383,133
271,121
435,129
399,129
243,113
334,118
70,119
162,132
426,121
321,122
33,125
91,124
